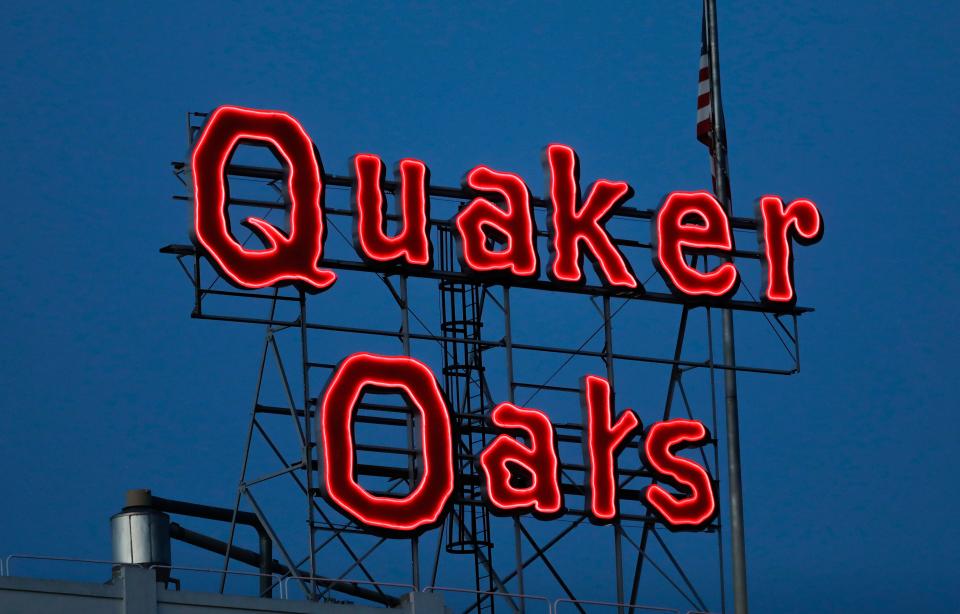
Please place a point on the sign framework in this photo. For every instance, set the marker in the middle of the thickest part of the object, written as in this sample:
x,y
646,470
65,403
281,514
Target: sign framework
x,y
465,290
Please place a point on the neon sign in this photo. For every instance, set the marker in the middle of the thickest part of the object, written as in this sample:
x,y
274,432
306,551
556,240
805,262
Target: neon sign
x,y
497,240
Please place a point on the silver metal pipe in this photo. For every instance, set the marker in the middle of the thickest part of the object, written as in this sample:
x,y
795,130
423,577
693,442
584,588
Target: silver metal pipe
x,y
734,482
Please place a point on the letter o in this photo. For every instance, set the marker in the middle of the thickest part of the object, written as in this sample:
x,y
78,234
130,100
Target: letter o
x,y
424,505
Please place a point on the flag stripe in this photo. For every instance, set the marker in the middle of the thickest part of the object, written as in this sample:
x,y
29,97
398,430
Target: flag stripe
x,y
704,98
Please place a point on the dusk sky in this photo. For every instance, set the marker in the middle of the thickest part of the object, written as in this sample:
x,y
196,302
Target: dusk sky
x,y
850,467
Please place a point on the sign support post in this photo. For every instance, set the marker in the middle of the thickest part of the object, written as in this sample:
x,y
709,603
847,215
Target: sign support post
x,y
508,346
732,412
411,468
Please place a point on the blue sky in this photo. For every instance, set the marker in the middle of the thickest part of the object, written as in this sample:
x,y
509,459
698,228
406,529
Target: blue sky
x,y
848,467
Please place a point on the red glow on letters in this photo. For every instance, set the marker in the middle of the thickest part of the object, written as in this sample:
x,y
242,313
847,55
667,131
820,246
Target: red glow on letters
x,y
539,460
514,226
602,444
661,440
778,225
424,504
673,235
412,244
573,224
291,257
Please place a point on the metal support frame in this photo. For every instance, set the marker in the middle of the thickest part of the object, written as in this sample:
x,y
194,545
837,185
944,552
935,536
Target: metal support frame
x,y
468,306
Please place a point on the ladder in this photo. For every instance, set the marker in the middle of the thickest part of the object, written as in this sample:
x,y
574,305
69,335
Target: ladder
x,y
461,309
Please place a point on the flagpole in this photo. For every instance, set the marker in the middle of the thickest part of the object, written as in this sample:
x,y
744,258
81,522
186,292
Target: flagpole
x,y
722,174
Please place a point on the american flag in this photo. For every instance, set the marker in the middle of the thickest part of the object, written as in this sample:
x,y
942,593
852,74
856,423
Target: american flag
x,y
704,120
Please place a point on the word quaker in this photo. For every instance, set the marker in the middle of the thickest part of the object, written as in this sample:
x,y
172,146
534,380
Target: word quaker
x,y
493,239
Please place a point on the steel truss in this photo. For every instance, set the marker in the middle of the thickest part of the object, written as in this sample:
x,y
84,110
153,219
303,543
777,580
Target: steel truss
x,y
301,347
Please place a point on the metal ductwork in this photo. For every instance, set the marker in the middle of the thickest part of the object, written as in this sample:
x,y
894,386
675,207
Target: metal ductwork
x,y
140,535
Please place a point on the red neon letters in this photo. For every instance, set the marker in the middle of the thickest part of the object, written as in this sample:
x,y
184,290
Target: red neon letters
x,y
661,440
538,460
412,244
799,221
521,467
290,257
602,443
422,506
675,234
513,226
497,236
572,224
497,233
